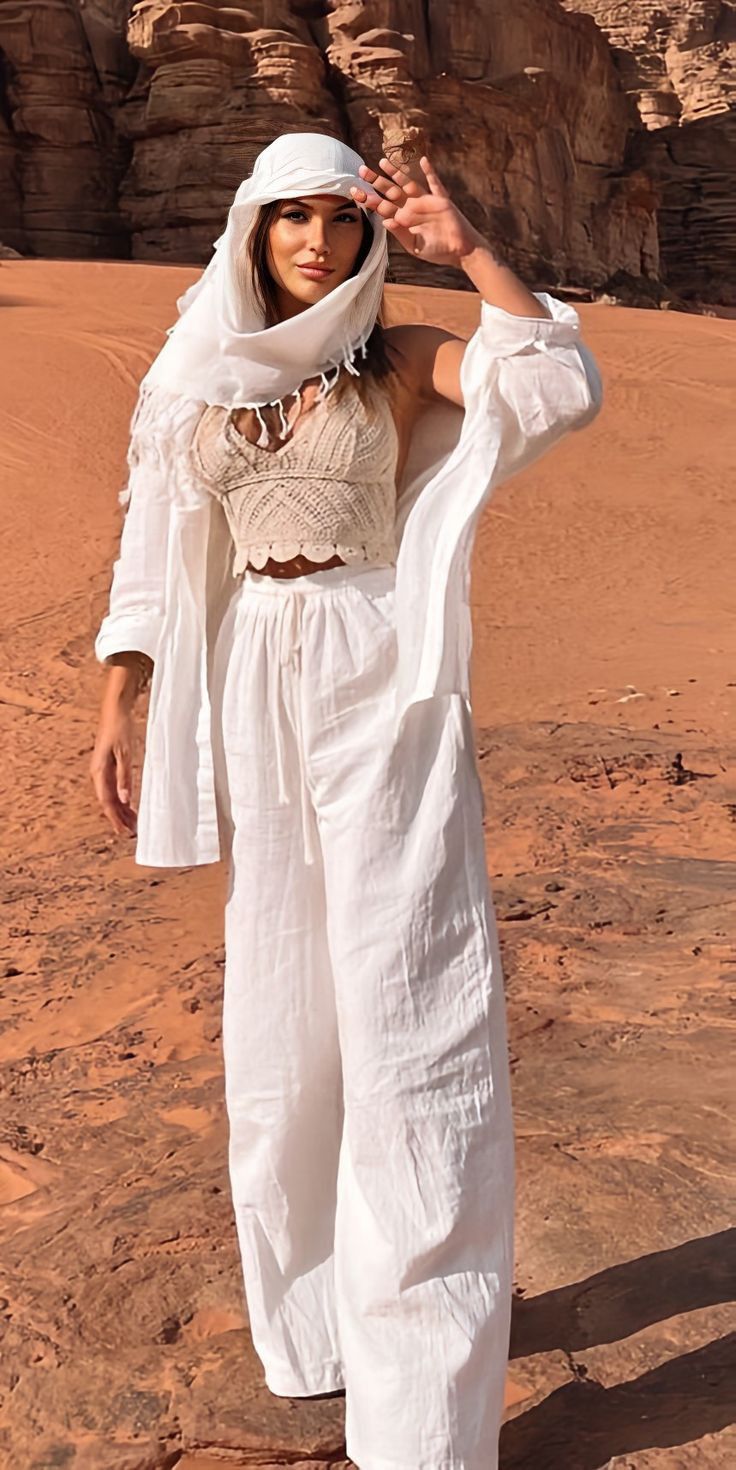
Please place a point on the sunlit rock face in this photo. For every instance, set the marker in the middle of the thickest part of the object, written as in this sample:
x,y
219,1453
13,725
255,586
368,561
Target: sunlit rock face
x,y
576,140
525,118
520,105
151,119
678,63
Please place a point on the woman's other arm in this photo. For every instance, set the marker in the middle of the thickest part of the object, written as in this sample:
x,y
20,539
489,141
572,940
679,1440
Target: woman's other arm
x,y
128,637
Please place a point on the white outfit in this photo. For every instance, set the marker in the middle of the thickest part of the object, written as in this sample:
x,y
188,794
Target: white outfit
x,y
371,1145
318,731
526,382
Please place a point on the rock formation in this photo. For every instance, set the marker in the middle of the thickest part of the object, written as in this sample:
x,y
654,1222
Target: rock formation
x,y
679,64
541,159
64,65
124,130
215,84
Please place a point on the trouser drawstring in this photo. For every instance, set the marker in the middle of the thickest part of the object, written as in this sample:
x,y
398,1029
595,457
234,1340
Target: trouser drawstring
x,y
287,673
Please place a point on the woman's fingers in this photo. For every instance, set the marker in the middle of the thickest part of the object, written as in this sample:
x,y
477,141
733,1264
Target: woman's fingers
x,y
374,201
397,193
399,232
122,819
104,775
434,181
406,208
123,785
363,197
123,773
410,188
411,211
385,187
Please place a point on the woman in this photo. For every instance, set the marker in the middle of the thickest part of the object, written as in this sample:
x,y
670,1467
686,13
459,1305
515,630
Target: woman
x,y
294,566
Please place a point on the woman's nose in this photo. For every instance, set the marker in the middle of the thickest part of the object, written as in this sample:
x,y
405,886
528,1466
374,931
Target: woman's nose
x,y
318,241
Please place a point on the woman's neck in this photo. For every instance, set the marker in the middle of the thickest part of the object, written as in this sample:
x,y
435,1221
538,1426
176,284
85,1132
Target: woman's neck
x,y
288,306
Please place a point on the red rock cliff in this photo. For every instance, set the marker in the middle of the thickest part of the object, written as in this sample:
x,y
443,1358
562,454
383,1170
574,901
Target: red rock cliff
x,y
497,94
678,63
125,130
64,67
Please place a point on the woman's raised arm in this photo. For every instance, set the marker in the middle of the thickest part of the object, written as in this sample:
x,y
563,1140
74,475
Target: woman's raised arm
x,y
543,380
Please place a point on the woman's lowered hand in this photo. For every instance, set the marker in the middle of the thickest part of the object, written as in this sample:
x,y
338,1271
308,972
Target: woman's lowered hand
x,y
111,762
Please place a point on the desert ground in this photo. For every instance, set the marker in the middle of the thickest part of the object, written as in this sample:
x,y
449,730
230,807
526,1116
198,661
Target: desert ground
x,y
604,688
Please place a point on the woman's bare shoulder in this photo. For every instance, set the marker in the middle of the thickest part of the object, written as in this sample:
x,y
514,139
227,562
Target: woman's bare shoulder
x,y
416,346
418,340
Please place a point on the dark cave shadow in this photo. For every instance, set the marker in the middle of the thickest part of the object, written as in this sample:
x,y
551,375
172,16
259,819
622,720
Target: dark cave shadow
x,y
622,1299
583,1425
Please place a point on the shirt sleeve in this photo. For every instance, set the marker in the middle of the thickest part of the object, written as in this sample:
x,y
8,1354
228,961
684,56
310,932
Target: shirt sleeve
x,y
136,604
137,600
540,379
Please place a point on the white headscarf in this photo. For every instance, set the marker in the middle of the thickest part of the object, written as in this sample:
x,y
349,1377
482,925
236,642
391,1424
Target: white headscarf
x,y
219,350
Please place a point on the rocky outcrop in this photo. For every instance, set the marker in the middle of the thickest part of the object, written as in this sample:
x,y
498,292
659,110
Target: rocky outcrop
x,y
694,167
678,63
125,130
146,131
524,117
10,194
521,107
64,65
215,84
675,60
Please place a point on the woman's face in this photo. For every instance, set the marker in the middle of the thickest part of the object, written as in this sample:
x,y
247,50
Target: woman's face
x,y
313,244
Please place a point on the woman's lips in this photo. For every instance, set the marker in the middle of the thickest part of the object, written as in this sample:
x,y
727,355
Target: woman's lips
x,y
316,272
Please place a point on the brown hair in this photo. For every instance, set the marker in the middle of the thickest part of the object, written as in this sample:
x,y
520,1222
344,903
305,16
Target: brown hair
x,y
377,363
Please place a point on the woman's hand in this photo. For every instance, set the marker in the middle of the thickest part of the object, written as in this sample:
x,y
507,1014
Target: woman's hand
x,y
111,763
427,223
424,221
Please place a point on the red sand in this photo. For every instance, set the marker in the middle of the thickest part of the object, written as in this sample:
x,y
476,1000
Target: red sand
x,y
604,607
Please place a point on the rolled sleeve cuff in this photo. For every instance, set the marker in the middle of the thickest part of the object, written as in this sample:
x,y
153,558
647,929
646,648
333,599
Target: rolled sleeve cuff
x,y
505,334
128,633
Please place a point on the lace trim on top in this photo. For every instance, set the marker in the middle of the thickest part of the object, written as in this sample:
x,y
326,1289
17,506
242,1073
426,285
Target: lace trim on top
x,y
329,490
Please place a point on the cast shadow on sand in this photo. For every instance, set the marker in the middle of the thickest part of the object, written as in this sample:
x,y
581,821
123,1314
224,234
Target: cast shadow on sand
x,y
7,302
584,1425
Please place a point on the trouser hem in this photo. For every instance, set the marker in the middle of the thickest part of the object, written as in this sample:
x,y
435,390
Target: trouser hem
x,y
370,1462
325,1380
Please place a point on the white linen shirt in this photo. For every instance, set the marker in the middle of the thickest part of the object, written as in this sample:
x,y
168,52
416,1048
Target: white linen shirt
x,y
526,381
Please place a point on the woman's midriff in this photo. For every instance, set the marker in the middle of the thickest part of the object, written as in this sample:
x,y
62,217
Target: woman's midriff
x,y
299,566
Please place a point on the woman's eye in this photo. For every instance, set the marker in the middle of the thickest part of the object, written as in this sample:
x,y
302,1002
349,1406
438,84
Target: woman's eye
x,y
298,214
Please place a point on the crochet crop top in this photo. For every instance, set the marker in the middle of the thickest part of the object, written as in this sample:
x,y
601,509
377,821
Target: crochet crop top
x,y
330,489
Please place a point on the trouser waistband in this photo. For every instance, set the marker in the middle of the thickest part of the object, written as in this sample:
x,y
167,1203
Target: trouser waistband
x,y
368,576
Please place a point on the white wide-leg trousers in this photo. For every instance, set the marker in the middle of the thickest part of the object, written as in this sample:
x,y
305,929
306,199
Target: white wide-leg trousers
x,y
364,1028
